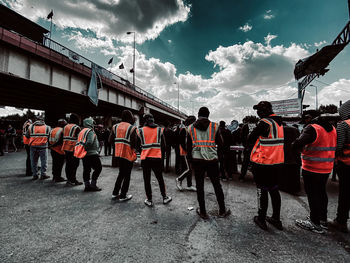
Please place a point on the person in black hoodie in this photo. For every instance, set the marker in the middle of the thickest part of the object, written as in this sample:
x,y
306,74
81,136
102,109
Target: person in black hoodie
x,y
317,142
224,153
267,156
203,136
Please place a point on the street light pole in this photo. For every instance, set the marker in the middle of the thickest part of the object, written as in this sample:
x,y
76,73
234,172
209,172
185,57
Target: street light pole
x,y
316,96
178,96
133,62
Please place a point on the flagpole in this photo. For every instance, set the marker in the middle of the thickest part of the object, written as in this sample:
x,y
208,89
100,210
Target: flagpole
x,y
50,32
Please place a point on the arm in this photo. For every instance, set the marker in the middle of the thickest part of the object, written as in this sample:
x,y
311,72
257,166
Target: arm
x,y
342,134
308,135
262,129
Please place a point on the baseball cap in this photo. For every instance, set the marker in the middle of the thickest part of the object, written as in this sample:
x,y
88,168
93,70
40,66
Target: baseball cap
x,y
263,105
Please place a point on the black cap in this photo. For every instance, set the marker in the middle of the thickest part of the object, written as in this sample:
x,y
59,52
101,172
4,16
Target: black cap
x,y
263,105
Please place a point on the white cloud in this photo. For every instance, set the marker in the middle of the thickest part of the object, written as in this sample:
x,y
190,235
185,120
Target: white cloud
x,y
319,44
246,27
109,17
269,38
332,94
268,15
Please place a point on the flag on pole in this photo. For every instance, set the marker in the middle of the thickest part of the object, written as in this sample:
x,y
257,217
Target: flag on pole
x,y
50,15
110,61
132,70
121,66
95,84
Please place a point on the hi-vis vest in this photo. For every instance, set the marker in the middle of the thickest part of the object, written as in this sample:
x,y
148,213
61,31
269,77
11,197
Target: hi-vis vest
x,y
183,152
122,146
69,140
38,135
55,135
24,131
269,150
79,148
150,142
318,157
345,157
203,142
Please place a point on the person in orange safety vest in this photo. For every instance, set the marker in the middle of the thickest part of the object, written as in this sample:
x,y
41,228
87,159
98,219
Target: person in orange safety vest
x,y
317,143
57,154
152,143
267,157
70,136
38,135
126,141
27,147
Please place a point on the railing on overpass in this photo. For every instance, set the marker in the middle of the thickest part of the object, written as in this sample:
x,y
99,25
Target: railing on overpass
x,y
75,57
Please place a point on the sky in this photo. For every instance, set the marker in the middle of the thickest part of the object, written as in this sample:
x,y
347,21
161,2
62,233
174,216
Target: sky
x,y
226,55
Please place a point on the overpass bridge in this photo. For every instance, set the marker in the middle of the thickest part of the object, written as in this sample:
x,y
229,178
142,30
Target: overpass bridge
x,y
50,77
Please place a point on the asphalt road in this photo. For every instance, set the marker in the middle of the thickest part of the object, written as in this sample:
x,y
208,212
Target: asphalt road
x,y
45,222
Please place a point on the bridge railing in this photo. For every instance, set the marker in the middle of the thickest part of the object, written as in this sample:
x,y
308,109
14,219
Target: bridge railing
x,y
77,58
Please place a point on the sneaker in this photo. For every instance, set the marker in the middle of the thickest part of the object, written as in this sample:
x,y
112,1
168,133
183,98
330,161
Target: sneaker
x,y
93,188
260,223
59,180
191,188
126,198
202,215
167,200
324,224
225,213
115,197
338,226
70,183
78,183
44,177
276,223
35,177
178,184
148,203
309,225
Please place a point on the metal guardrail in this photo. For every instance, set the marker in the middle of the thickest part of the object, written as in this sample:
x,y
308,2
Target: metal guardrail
x,y
75,57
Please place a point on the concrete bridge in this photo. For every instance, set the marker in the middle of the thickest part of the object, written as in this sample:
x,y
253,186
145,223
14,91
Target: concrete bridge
x,y
48,76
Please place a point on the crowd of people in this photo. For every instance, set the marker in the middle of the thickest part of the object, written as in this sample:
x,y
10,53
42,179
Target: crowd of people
x,y
275,151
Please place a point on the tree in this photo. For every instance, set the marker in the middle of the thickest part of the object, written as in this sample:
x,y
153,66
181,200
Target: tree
x,y
250,119
331,108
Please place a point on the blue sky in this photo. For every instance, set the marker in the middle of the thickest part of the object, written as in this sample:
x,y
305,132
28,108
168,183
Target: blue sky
x,y
226,54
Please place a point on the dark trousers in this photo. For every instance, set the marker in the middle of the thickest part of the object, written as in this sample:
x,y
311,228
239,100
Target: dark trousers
x,y
123,179
72,165
57,164
28,162
212,170
107,148
343,172
177,159
246,162
266,179
289,181
315,188
91,162
155,165
186,170
167,158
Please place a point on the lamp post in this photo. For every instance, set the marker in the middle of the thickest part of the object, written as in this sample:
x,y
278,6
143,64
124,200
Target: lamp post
x,y
133,62
178,95
316,95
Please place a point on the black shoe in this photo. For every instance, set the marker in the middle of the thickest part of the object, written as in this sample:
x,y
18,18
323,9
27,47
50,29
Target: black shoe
x,y
77,182
225,213
59,180
35,177
261,224
202,215
276,223
94,188
44,177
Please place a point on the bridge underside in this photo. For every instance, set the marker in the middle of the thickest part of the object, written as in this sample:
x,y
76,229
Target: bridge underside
x,y
57,102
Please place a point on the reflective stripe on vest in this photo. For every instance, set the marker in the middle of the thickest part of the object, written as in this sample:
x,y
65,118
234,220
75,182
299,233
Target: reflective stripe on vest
x,y
345,157
318,157
69,140
55,135
203,142
38,135
122,146
79,148
151,142
269,150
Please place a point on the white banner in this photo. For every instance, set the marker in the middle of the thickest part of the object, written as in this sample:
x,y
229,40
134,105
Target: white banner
x,y
286,107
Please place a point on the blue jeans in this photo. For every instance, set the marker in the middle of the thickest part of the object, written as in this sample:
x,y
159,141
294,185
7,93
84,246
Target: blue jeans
x,y
35,153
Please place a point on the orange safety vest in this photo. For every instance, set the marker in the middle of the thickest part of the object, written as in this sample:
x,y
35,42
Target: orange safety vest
x,y
24,131
150,142
318,157
269,150
345,157
69,140
183,152
203,143
38,135
79,148
55,135
122,146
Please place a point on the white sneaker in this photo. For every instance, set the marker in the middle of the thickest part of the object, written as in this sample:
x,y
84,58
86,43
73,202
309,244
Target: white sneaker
x,y
178,184
191,188
126,198
148,202
167,200
308,225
